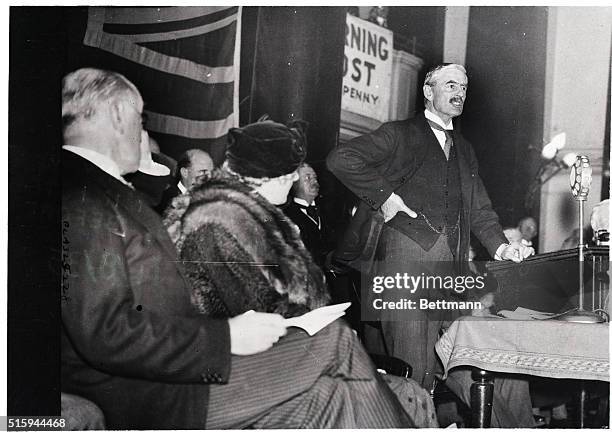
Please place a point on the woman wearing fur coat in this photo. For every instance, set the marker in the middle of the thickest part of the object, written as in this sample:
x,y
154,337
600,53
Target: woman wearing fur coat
x,y
238,249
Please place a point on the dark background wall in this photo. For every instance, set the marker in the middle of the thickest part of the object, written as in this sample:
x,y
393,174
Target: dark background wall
x,y
291,68
419,30
503,115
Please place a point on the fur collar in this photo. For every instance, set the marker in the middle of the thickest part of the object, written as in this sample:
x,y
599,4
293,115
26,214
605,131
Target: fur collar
x,y
242,217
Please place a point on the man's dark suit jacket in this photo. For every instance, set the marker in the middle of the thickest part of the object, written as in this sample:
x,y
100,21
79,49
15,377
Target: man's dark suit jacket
x,y
375,165
151,187
131,340
309,232
171,192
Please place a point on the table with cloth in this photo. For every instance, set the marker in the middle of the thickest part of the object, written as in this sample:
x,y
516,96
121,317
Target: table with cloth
x,y
544,348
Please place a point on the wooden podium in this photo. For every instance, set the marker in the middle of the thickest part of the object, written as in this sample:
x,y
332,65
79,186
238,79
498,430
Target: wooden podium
x,y
549,282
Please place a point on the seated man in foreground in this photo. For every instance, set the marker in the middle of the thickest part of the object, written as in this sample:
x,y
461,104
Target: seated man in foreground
x,y
132,341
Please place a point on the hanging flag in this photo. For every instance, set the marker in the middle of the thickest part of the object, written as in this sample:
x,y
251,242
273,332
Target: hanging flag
x,y
186,63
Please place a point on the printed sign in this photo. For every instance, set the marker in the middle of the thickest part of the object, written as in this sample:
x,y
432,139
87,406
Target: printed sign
x,y
368,58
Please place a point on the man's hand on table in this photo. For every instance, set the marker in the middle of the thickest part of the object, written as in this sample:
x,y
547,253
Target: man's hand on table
x,y
516,252
251,332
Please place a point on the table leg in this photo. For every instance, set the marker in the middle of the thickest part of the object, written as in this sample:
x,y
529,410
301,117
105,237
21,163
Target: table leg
x,y
582,405
481,398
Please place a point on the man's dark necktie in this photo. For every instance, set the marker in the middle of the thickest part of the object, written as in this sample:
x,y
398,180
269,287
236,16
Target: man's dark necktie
x,y
313,212
448,143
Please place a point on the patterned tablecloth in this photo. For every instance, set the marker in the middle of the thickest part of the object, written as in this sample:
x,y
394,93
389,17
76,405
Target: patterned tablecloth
x,y
547,348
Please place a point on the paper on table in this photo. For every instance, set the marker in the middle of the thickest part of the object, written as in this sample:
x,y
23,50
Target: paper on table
x,y
526,314
315,320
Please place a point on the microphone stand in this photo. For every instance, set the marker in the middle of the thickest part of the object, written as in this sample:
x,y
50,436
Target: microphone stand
x,y
580,182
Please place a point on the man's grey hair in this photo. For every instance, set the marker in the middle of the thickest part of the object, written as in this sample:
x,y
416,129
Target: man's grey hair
x,y
432,74
87,89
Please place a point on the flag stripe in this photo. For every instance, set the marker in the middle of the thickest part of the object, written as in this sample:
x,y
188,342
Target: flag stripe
x,y
171,124
179,34
115,15
169,94
215,49
168,26
95,37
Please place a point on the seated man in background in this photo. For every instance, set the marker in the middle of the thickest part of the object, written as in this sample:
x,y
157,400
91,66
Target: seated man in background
x,y
304,212
193,164
529,230
133,342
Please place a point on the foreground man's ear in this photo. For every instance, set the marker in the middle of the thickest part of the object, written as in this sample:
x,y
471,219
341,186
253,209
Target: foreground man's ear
x,y
427,92
117,115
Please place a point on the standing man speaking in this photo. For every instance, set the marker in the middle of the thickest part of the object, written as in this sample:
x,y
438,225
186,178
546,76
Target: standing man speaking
x,y
424,179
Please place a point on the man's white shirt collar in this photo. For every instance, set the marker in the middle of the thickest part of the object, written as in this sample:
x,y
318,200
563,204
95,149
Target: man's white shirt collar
x,y
433,117
440,136
302,202
101,161
303,205
182,188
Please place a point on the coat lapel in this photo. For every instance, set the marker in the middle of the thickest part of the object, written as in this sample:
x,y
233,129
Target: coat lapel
x,y
139,209
423,141
428,139
125,197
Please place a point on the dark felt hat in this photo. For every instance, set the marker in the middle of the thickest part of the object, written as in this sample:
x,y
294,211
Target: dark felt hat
x,y
266,149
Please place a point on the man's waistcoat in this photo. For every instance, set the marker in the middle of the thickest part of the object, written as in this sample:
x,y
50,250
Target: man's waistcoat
x,y
434,193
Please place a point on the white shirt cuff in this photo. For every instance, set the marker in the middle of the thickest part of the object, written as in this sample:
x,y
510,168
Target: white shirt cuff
x,y
499,251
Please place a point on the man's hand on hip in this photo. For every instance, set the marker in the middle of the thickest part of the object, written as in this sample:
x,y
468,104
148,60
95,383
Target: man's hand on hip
x,y
516,252
251,332
393,205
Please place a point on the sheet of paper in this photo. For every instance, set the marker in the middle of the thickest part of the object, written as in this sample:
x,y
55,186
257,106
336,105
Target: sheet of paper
x,y
315,320
526,314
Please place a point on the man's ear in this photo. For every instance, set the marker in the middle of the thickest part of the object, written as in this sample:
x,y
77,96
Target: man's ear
x,y
428,92
184,173
117,111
